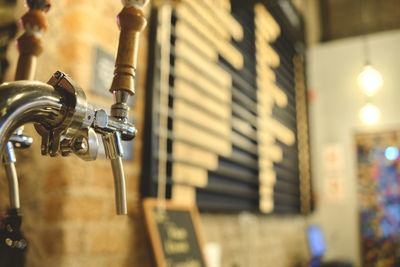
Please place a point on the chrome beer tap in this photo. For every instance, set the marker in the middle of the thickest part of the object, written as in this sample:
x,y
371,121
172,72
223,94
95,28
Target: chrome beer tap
x,y
65,121
131,22
30,47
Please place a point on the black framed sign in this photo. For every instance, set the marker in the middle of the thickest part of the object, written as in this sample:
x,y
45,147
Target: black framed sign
x,y
175,234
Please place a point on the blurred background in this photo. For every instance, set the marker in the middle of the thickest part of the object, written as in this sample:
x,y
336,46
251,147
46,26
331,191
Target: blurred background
x,y
278,119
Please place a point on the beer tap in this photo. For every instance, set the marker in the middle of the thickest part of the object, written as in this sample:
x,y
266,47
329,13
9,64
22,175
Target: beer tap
x,y
13,244
30,47
131,22
65,121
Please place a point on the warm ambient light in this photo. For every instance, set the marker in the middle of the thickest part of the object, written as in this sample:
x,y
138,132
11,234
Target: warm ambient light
x,y
370,80
369,114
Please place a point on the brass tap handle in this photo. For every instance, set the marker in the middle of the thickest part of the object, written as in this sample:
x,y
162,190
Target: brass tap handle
x,y
131,22
29,44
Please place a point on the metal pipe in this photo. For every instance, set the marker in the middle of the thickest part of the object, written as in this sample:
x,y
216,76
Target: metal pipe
x,y
114,151
12,178
27,101
119,185
23,102
30,47
53,108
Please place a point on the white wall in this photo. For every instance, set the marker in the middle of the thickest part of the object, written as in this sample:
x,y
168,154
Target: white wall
x,y
334,117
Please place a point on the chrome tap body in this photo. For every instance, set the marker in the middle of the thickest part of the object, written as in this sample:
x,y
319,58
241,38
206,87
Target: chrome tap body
x,y
66,123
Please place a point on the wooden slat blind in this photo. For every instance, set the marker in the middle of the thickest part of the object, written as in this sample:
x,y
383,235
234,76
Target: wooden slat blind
x,y
237,135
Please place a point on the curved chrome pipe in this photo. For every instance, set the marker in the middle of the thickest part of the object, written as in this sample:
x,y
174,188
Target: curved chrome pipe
x,y
114,151
22,102
52,107
26,101
12,178
119,186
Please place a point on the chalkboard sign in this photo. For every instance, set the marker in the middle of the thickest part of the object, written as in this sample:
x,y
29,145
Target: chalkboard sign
x,y
174,234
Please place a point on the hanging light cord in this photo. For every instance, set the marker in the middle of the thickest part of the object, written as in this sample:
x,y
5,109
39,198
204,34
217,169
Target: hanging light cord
x,y
364,30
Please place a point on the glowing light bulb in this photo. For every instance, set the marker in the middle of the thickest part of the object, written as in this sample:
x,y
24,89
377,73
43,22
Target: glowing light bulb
x,y
370,80
369,114
391,153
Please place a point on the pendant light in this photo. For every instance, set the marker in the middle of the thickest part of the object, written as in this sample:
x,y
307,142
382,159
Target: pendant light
x,y
369,80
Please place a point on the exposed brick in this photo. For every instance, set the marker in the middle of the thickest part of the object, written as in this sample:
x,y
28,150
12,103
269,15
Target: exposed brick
x,y
106,32
68,204
74,241
53,210
108,240
62,242
103,178
134,209
110,10
56,177
74,208
75,50
53,244
80,3
85,208
77,21
132,260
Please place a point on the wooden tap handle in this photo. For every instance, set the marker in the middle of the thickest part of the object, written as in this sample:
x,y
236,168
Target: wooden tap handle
x,y
131,22
43,5
29,44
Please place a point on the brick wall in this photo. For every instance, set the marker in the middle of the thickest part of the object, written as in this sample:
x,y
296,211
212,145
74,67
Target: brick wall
x,y
252,240
68,204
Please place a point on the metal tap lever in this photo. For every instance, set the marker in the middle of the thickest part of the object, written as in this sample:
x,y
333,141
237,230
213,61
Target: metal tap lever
x,y
113,132
131,22
114,151
76,133
21,141
17,140
62,116
106,124
66,123
12,177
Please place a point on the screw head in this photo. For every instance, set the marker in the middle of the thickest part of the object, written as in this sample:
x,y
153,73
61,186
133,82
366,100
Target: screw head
x,y
9,242
80,145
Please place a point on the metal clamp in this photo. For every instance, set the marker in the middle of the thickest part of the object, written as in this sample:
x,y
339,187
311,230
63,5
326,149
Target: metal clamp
x,y
66,123
77,133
